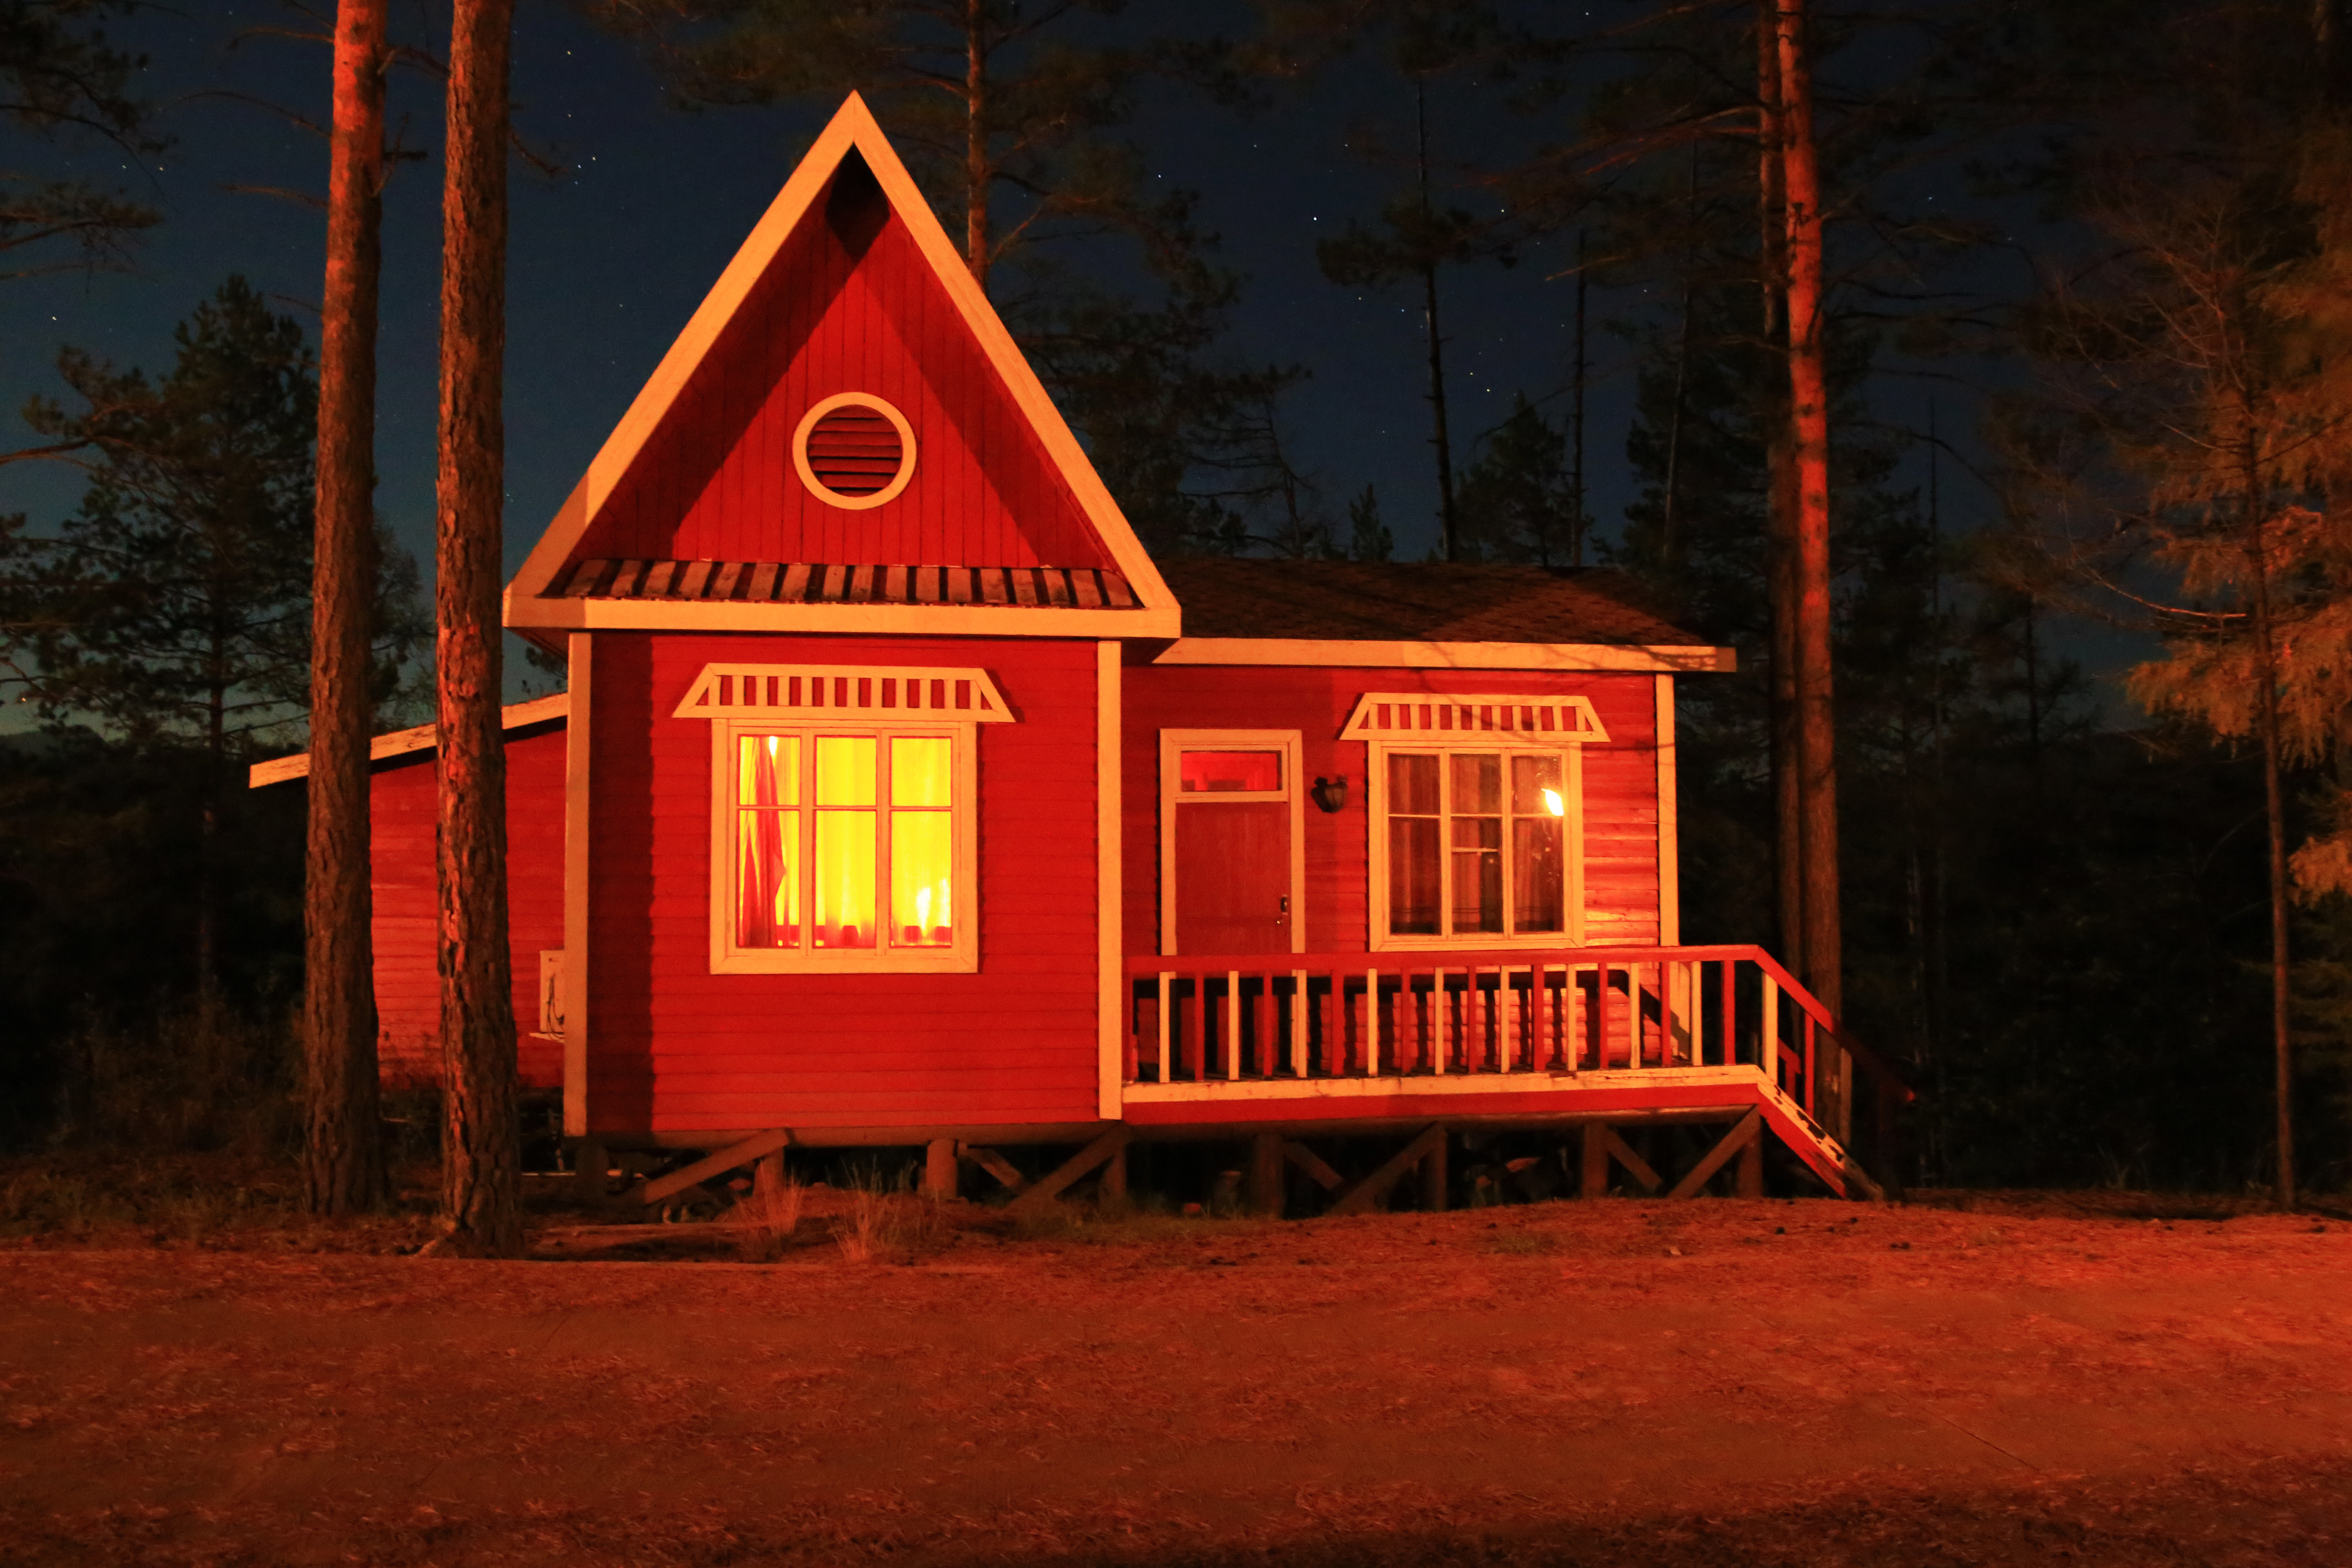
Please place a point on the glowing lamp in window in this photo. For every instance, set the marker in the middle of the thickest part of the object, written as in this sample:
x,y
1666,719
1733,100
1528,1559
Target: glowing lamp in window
x,y
854,451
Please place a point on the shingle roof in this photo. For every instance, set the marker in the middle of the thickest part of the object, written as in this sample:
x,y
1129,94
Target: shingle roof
x,y
1351,601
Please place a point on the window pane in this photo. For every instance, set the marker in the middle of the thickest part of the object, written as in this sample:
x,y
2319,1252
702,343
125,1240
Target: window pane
x,y
918,771
1413,888
1412,786
845,771
1539,874
1477,783
768,771
1477,871
1216,772
1535,787
921,873
767,879
845,871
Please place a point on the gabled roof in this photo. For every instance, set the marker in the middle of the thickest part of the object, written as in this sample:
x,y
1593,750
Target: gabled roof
x,y
848,285
1424,613
408,743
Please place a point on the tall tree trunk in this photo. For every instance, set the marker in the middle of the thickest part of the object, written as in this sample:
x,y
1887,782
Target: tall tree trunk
x,y
976,172
2274,811
1445,519
343,1149
1780,497
1808,430
480,1179
1670,512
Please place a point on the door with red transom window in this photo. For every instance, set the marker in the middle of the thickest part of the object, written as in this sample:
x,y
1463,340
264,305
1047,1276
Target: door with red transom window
x,y
1230,860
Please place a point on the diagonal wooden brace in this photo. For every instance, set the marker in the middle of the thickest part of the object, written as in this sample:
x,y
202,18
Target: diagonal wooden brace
x,y
994,1163
1367,1192
1622,1152
1050,1187
718,1164
1744,1132
1306,1160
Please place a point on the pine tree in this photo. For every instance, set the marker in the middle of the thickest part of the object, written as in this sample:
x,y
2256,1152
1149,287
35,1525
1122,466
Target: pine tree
x,y
1518,501
343,1151
481,1177
61,77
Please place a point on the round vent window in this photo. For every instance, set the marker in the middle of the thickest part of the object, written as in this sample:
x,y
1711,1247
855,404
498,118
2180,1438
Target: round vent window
x,y
854,450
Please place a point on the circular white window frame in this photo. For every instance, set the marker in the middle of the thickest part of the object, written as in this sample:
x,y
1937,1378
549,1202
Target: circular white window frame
x,y
817,487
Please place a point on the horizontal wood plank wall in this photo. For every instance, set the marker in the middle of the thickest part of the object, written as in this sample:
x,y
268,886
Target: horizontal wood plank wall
x,y
679,1050
407,983
1620,800
717,481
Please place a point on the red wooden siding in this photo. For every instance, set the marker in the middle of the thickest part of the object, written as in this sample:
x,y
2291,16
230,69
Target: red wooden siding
x,y
673,1048
407,982
1621,785
838,312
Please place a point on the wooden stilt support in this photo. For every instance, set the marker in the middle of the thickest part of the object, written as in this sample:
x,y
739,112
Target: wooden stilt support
x,y
718,1164
1750,1179
1306,1160
1622,1152
940,1168
1265,1175
1046,1189
1744,1132
1433,1178
1110,1187
1595,1175
1366,1194
994,1163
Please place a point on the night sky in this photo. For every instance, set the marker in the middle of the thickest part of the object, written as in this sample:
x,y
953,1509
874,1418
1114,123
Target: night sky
x,y
610,259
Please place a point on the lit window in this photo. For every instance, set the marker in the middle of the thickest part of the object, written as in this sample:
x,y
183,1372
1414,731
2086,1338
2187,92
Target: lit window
x,y
842,825
1476,847
859,831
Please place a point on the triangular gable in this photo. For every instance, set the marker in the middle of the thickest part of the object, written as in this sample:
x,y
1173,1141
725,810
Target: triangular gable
x,y
699,511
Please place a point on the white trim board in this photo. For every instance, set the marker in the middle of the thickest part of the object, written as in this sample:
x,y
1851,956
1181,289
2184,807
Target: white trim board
x,y
1604,657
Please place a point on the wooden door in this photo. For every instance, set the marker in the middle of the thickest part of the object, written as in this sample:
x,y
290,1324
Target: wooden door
x,y
1232,876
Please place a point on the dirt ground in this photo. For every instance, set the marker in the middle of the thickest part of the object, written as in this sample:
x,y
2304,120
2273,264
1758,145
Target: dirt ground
x,y
1607,1383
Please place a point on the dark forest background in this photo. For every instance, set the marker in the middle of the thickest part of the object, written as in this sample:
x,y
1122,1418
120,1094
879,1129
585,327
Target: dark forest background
x,y
2056,903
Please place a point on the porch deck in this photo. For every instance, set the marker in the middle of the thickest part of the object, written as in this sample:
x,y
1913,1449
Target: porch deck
x,y
1590,1035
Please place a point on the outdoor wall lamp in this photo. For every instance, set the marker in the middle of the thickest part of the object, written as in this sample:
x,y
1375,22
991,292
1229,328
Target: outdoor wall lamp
x,y
1331,793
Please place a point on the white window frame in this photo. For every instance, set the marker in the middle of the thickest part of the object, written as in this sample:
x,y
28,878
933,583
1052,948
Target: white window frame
x,y
1572,759
1173,744
865,703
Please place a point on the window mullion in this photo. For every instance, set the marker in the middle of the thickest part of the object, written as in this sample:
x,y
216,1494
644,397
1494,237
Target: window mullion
x,y
1445,847
885,918
806,827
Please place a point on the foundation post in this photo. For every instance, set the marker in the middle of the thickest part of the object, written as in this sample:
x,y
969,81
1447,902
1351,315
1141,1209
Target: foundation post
x,y
1432,1178
1265,1175
1749,1178
1595,1184
940,1168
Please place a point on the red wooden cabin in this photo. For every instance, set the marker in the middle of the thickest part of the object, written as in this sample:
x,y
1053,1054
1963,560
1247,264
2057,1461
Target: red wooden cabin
x,y
898,797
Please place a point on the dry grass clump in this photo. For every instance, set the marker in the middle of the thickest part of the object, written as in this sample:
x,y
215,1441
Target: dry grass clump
x,y
768,1215
884,1217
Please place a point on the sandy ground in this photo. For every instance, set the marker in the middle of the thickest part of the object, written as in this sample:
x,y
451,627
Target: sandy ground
x,y
1614,1381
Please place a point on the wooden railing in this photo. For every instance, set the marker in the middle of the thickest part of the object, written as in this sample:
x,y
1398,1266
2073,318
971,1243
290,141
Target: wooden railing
x,y
1262,1016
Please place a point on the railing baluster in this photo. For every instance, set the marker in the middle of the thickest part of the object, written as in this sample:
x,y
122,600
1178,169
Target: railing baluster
x,y
1809,1064
1768,1048
1298,1023
1265,1041
1371,1023
1232,1025
1165,992
1695,976
1634,1014
1730,1013
1196,1038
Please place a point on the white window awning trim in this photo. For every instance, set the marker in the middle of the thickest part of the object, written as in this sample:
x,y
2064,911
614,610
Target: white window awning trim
x,y
1505,719
874,695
